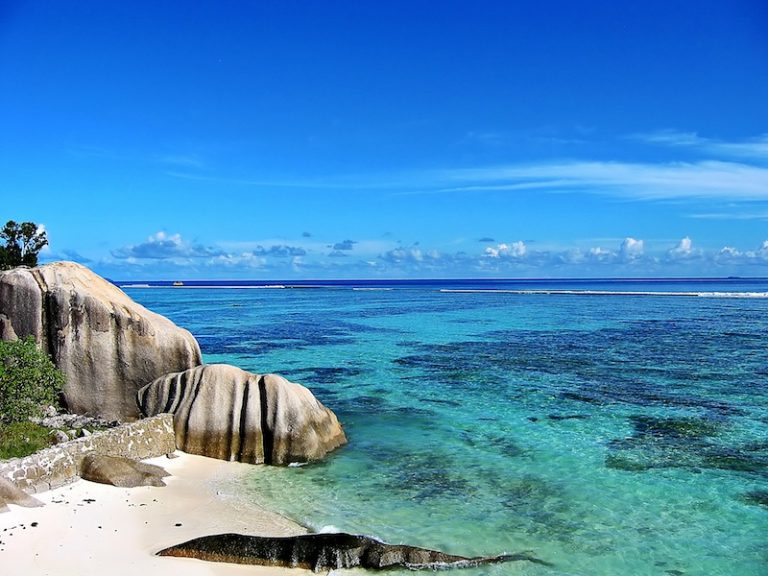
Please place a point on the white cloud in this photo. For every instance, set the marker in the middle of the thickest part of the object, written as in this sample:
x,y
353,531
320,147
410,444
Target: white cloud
x,y
685,245
721,169
247,259
729,252
600,255
344,245
760,253
754,148
279,251
732,255
297,264
599,252
160,246
706,179
513,250
403,255
670,138
165,253
684,249
414,259
752,215
631,249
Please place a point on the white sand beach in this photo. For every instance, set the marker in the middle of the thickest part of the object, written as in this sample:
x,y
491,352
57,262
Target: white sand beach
x,y
93,529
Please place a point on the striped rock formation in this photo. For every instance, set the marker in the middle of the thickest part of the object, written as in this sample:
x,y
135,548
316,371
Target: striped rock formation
x,y
223,412
107,345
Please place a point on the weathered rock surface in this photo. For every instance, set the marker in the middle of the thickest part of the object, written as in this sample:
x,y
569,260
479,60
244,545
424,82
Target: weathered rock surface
x,y
107,345
223,412
320,552
11,494
120,471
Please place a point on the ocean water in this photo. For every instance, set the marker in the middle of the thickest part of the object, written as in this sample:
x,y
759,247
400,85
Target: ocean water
x,y
605,433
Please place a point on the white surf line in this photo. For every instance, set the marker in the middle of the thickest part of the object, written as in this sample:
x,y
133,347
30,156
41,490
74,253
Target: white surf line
x,y
608,293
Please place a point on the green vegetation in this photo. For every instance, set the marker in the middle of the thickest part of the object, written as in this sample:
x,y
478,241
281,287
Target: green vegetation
x,y
29,382
23,243
22,439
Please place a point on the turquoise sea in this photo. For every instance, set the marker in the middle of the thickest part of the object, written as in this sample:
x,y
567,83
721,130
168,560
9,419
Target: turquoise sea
x,y
608,427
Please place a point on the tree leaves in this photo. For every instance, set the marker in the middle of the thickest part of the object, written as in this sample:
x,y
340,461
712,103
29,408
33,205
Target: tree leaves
x,y
23,243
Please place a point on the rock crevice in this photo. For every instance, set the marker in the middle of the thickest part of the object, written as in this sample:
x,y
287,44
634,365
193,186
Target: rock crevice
x,y
268,439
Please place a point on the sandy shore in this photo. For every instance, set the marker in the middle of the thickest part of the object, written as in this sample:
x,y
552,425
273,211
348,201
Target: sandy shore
x,y
93,529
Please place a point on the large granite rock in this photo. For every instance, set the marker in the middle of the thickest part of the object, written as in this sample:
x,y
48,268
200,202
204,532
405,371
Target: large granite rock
x,y
120,471
107,345
223,412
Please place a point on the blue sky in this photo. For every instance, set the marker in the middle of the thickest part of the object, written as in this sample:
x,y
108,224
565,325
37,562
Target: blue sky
x,y
387,139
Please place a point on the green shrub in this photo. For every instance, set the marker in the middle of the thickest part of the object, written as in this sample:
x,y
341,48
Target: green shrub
x,y
28,380
22,439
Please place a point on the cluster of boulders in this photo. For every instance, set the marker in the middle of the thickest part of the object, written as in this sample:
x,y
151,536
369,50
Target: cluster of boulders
x,y
122,361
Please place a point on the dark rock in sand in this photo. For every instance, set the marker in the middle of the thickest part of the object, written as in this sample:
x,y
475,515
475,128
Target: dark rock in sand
x,y
122,472
221,411
11,494
320,552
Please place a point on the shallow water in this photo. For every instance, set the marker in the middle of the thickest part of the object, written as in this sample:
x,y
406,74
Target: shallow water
x,y
606,434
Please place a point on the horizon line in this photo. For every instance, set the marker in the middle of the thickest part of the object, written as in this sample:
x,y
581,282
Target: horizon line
x,y
458,279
